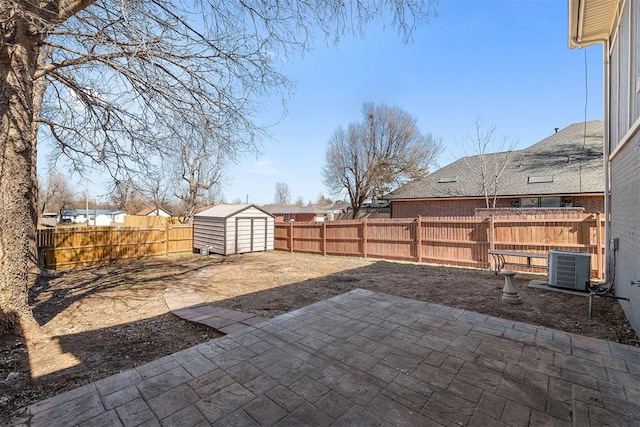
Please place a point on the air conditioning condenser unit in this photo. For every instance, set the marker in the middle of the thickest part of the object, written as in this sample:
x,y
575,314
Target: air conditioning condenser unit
x,y
569,269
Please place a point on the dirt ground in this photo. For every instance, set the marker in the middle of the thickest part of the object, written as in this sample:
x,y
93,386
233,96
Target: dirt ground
x,y
98,321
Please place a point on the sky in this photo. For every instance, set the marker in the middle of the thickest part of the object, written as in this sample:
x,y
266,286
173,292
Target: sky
x,y
503,62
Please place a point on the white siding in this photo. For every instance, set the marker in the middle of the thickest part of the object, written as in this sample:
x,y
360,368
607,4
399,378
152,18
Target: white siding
x,y
209,231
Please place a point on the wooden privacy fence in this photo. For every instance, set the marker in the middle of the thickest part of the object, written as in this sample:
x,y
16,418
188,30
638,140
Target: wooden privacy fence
x,y
75,247
457,241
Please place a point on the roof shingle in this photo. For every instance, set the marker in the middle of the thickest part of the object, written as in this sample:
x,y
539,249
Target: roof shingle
x,y
572,157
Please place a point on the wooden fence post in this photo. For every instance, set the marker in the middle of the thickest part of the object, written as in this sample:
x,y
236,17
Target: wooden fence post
x,y
492,239
110,235
599,248
364,237
166,238
324,238
290,236
419,239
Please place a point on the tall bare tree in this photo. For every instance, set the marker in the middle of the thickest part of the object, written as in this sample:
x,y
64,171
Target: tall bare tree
x,y
156,187
382,151
97,78
198,164
490,156
127,196
55,193
282,194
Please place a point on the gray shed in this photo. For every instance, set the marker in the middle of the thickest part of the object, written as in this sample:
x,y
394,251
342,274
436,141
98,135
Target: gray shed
x,y
233,229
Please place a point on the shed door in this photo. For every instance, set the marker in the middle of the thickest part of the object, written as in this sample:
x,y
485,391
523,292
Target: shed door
x,y
250,235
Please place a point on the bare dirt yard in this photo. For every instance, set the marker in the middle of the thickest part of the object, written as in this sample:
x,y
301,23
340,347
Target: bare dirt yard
x,y
98,321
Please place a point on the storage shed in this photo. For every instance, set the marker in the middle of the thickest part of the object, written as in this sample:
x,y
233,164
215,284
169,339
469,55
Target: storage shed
x,y
233,229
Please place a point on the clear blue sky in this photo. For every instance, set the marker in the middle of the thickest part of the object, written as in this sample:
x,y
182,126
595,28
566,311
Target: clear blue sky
x,y
505,62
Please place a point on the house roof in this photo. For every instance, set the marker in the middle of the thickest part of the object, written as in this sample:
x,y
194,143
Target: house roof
x,y
591,21
568,162
84,212
150,209
337,206
292,209
226,210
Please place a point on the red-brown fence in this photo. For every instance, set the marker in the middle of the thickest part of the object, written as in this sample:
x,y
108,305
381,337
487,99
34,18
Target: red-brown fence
x,y
458,241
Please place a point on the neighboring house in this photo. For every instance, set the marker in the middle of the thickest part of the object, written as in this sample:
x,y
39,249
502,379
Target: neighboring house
x,y
94,216
335,210
154,211
287,213
368,210
564,170
48,219
615,25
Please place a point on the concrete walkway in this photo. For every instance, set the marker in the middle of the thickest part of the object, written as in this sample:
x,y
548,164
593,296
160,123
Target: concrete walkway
x,y
185,303
369,359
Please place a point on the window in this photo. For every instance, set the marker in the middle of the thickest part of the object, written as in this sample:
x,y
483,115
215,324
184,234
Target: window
x,y
540,179
540,202
452,178
529,202
549,202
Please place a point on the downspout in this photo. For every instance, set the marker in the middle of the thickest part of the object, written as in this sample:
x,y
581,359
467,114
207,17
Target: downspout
x,y
608,274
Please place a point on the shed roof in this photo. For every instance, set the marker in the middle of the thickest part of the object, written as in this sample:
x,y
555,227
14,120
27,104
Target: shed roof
x,y
568,162
227,210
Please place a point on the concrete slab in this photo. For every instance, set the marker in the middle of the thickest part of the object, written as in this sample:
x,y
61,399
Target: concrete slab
x,y
395,361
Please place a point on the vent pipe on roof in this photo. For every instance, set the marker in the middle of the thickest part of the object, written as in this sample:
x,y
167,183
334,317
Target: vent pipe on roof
x,y
556,129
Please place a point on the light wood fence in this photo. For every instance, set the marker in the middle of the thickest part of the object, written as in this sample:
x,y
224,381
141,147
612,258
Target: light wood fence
x,y
457,241
81,246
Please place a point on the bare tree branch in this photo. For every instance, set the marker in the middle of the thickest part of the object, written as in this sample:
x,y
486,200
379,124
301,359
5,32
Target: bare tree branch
x,y
107,79
383,151
489,158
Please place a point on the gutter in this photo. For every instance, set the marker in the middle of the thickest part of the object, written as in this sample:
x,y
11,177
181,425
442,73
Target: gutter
x,y
577,10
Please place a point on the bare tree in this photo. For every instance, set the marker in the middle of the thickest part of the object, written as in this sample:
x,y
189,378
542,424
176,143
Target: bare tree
x,y
197,164
322,200
156,188
54,193
127,196
282,193
97,78
372,156
490,157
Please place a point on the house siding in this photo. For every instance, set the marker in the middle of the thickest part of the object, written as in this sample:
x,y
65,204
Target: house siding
x,y
621,52
625,225
467,207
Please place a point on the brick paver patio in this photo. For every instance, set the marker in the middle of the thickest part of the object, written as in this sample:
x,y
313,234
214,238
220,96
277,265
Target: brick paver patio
x,y
364,358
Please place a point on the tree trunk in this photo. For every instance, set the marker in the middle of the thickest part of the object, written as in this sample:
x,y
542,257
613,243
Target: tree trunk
x,y
18,60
